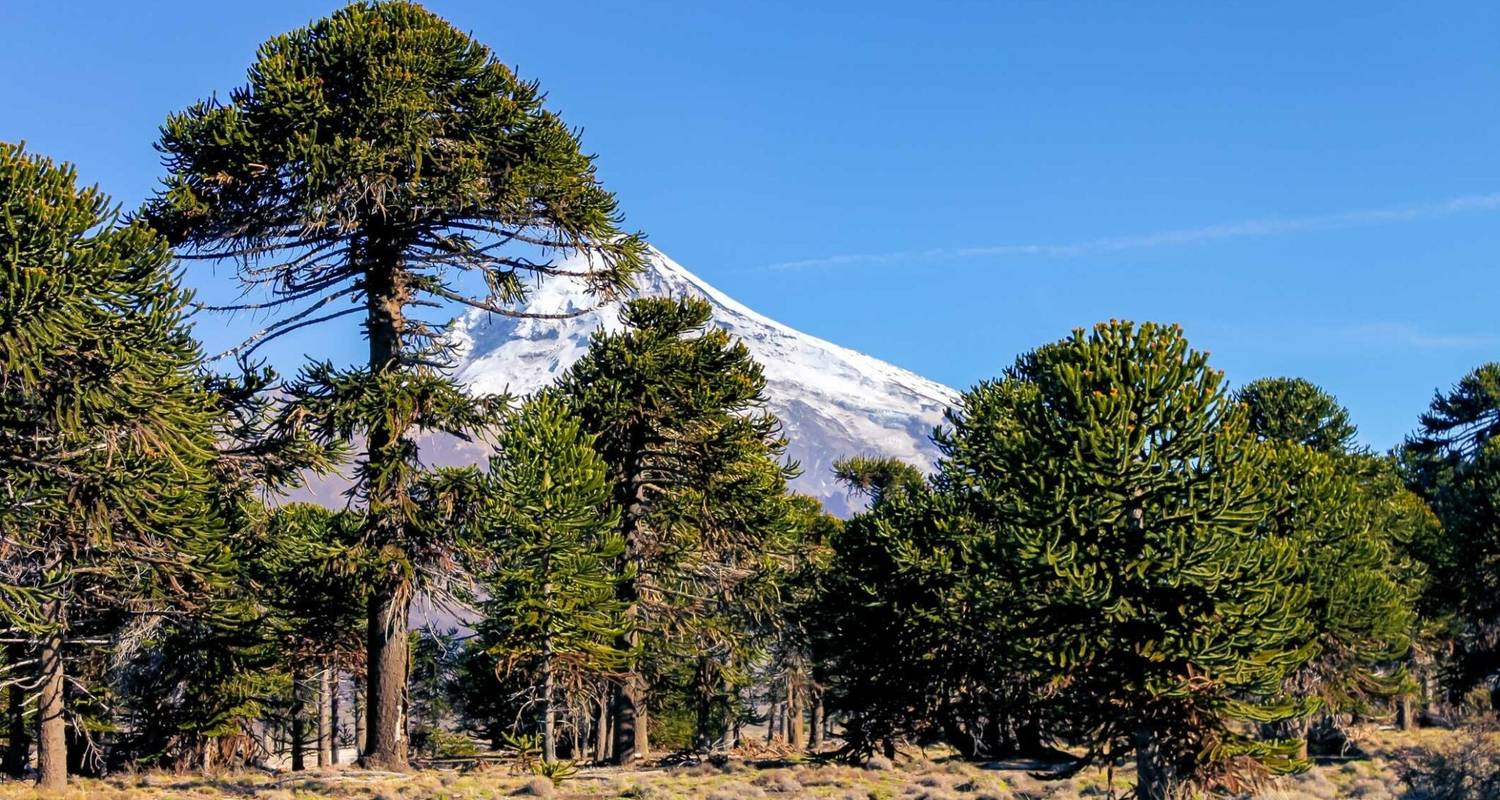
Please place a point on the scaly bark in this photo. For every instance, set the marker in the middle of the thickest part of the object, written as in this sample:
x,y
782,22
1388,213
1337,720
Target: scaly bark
x,y
52,733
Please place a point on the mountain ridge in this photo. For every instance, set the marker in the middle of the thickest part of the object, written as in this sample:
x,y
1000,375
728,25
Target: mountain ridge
x,y
832,401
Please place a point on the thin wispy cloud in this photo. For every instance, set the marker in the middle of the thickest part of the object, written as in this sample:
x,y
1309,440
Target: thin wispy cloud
x,y
1397,334
1183,237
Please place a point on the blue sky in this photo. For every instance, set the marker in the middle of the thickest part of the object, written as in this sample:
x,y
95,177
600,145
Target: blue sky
x,y
1309,188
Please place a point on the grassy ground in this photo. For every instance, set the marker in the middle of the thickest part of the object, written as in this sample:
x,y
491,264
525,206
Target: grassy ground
x,y
915,776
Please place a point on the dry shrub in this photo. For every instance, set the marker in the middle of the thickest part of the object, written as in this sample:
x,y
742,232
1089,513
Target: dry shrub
x,y
537,787
736,791
779,781
1469,768
880,763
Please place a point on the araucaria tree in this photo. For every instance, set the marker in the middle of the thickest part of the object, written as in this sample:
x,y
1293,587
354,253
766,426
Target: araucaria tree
x,y
677,409
378,161
551,542
1453,461
1337,506
1124,496
106,439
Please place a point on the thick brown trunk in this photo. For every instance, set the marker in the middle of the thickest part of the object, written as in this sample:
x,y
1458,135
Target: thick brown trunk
x,y
629,714
325,718
299,720
52,729
389,654
18,738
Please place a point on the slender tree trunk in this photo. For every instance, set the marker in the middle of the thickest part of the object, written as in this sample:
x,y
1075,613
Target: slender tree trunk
x,y
601,730
549,715
358,686
18,738
387,646
299,720
52,728
772,720
325,718
816,740
334,713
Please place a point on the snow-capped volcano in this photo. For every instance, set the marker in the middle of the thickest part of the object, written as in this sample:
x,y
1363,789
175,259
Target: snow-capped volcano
x,y
832,402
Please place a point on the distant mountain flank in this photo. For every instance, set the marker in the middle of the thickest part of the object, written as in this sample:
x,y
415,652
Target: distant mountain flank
x,y
833,402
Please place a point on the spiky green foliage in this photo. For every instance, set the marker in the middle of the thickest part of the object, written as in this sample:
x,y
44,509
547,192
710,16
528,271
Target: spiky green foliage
x,y
1453,461
1296,410
106,445
378,161
1362,598
552,541
677,409
1125,497
1337,506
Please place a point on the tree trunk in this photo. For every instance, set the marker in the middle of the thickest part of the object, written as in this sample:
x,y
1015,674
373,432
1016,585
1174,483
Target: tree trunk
x,y
299,720
325,718
389,654
334,713
52,733
359,715
18,738
601,731
631,742
794,720
549,715
772,720
816,740
387,647
1154,778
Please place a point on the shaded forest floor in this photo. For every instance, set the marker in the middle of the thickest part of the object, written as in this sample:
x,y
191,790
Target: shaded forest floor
x,y
915,776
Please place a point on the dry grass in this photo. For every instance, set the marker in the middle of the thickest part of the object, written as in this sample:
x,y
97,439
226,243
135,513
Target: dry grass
x,y
910,778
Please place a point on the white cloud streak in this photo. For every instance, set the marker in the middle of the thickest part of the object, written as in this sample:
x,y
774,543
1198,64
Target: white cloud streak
x,y
1248,229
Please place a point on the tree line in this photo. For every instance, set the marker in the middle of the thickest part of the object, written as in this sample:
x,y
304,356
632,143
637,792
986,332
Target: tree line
x,y
1116,554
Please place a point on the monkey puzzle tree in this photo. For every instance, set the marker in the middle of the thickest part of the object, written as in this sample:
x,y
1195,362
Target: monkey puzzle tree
x,y
677,409
1453,462
1127,498
1297,410
106,442
379,161
1347,526
552,540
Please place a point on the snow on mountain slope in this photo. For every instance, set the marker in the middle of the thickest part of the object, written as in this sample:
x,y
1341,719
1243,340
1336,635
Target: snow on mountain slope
x,y
833,402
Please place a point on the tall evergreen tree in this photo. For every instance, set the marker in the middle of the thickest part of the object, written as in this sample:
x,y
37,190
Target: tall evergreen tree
x,y
552,607
374,160
1297,410
677,409
1453,461
1332,506
105,429
1127,496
